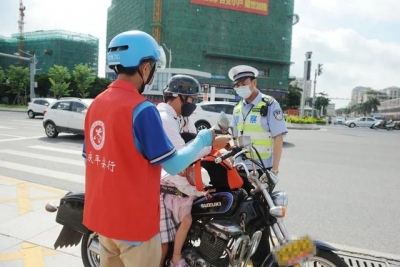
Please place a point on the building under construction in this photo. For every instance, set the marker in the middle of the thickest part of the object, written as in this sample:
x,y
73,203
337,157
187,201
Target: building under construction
x,y
207,37
55,47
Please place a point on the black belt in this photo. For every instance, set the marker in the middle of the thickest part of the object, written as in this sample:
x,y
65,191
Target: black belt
x,y
171,190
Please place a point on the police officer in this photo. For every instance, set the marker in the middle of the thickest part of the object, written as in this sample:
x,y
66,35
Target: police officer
x,y
260,117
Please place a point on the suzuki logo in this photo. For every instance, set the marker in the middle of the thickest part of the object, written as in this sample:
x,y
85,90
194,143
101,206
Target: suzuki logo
x,y
210,205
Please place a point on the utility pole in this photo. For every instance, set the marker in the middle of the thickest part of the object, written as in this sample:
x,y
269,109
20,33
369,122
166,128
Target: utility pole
x,y
32,61
306,77
317,73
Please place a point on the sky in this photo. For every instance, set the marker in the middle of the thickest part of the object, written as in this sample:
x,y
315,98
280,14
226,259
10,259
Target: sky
x,y
357,41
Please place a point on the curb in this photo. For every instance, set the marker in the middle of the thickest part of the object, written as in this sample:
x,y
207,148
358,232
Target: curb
x,y
14,109
295,126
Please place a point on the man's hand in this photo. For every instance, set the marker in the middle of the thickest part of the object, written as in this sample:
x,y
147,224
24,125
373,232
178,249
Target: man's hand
x,y
221,141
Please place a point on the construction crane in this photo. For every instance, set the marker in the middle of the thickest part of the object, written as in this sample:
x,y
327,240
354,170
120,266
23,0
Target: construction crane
x,y
157,26
21,27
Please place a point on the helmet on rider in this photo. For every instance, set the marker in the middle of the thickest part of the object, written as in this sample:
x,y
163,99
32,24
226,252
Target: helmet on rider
x,y
186,88
129,50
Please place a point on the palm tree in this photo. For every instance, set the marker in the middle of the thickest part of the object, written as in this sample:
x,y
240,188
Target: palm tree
x,y
374,103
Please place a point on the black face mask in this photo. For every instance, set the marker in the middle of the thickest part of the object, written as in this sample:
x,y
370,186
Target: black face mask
x,y
187,109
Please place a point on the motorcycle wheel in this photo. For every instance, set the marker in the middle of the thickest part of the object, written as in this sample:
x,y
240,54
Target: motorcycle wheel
x,y
325,258
89,257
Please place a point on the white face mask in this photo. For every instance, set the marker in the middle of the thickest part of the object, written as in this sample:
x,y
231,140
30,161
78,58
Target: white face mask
x,y
147,88
243,91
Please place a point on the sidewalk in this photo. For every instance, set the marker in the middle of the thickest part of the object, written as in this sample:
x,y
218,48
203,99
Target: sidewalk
x,y
27,231
14,109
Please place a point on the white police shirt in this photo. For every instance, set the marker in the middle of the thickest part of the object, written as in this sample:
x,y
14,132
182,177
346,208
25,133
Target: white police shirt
x,y
274,122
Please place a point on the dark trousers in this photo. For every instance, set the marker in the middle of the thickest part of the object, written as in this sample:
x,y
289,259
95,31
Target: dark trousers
x,y
263,248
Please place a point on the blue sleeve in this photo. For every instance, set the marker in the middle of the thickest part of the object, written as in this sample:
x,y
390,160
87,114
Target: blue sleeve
x,y
149,135
276,120
185,156
84,149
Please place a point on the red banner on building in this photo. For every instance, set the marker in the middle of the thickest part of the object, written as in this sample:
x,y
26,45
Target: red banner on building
x,y
251,6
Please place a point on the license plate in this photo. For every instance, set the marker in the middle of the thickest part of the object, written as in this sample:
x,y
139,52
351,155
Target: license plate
x,y
295,251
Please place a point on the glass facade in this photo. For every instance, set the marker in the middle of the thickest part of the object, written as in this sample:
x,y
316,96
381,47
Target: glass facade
x,y
212,39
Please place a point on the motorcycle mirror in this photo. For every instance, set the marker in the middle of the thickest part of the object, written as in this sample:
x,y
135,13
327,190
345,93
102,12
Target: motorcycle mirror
x,y
223,123
50,207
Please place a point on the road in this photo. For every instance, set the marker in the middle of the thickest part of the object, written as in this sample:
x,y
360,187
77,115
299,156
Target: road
x,y
342,183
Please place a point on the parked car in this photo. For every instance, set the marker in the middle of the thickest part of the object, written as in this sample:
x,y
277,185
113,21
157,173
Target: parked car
x,y
207,113
66,115
338,120
38,105
361,122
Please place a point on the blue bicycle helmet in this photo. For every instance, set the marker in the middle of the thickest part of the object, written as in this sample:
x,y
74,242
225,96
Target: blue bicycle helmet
x,y
131,48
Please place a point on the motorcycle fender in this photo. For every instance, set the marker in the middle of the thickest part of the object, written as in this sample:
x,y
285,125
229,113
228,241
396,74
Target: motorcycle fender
x,y
67,237
323,246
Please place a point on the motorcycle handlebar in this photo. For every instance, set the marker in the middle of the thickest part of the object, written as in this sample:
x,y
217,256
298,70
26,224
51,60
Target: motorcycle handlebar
x,y
229,154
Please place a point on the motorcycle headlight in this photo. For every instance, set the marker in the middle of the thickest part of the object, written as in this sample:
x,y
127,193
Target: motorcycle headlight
x,y
280,198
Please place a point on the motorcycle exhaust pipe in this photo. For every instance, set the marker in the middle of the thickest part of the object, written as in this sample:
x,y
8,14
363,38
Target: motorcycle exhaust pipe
x,y
254,242
94,246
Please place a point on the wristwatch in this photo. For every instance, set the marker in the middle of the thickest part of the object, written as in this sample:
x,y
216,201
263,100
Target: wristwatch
x,y
275,172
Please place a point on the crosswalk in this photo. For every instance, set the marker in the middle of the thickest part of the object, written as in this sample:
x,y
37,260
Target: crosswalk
x,y
52,161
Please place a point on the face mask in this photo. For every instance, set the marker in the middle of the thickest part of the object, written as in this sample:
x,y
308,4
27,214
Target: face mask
x,y
243,91
187,109
147,88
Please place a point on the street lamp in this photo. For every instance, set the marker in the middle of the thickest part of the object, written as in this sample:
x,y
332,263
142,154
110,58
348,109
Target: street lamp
x,y
32,72
306,77
317,73
32,68
170,59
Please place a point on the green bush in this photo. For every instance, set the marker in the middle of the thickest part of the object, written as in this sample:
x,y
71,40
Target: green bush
x,y
306,120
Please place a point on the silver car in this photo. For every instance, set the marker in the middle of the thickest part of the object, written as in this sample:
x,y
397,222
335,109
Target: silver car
x,y
361,122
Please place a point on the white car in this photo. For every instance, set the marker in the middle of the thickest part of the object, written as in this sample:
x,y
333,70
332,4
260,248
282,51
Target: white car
x,y
66,115
361,122
38,105
207,113
338,120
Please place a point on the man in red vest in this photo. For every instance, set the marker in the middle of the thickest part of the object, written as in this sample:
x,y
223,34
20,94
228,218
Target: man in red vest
x,y
125,149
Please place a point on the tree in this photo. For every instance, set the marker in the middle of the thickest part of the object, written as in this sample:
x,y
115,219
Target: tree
x,y
293,97
372,104
83,76
2,75
98,86
322,100
43,85
58,75
18,79
59,89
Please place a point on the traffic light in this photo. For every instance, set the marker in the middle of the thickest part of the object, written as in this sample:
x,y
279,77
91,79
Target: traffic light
x,y
319,69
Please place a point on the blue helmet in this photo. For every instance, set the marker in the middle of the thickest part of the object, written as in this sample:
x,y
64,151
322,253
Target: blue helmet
x,y
130,48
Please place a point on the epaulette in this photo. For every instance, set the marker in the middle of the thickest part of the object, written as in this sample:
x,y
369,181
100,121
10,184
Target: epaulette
x,y
268,100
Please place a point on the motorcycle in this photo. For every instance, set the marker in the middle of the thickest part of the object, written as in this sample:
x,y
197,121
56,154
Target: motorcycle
x,y
383,125
226,228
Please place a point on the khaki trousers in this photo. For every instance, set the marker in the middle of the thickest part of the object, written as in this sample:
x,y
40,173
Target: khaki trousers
x,y
114,253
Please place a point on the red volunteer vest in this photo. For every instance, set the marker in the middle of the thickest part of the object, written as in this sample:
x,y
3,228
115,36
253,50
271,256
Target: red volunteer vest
x,y
122,190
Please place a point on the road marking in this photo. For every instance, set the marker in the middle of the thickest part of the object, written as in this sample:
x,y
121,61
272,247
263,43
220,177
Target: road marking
x,y
23,124
9,135
31,255
8,128
44,172
21,138
63,150
43,157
